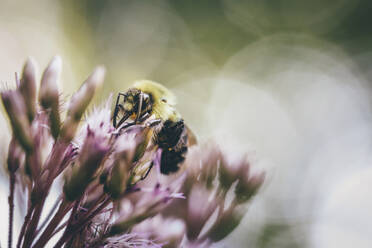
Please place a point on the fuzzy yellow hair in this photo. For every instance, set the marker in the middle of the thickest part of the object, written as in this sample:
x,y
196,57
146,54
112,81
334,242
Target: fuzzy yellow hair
x,y
163,99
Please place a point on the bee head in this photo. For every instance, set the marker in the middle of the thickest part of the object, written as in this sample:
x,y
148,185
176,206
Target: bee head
x,y
135,104
131,101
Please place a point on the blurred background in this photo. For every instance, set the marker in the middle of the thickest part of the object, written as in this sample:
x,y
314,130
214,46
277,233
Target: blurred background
x,y
288,81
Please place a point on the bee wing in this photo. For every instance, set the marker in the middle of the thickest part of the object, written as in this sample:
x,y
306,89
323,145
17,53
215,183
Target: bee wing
x,y
191,137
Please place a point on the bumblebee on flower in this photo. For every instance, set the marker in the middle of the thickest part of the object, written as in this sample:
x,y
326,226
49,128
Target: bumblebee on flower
x,y
150,101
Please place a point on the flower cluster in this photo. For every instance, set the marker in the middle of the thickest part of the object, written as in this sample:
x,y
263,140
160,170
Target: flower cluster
x,y
113,194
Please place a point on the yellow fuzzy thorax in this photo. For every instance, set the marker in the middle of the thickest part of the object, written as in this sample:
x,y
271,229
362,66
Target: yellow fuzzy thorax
x,y
163,99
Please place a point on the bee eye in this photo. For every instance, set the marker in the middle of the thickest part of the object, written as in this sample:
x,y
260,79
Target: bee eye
x,y
164,100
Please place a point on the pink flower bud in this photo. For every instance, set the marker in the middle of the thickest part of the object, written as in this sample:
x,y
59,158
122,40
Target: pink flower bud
x,y
15,155
27,87
49,93
200,208
231,169
89,161
79,102
248,187
117,181
226,223
202,162
17,113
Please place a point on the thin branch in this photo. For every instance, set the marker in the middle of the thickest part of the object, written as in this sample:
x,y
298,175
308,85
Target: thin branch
x,y
25,224
60,228
31,228
11,208
50,214
80,225
64,207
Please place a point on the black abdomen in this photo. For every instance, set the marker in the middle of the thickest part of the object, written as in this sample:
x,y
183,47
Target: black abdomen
x,y
172,139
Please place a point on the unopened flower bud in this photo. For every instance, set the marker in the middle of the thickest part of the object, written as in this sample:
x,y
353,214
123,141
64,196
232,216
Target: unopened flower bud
x,y
90,159
116,183
151,203
230,170
16,110
203,163
247,187
200,207
28,87
15,155
142,144
131,144
226,223
129,147
80,101
49,94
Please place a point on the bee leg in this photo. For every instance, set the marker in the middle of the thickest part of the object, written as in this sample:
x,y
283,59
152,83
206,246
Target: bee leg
x,y
150,123
120,107
147,172
126,125
116,111
144,117
153,123
139,107
125,117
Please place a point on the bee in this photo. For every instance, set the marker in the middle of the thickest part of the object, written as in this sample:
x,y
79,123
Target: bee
x,y
147,99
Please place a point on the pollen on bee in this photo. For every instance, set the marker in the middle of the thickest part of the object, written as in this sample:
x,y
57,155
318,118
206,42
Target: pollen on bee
x,y
128,106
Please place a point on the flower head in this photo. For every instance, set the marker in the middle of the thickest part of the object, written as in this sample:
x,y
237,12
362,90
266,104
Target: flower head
x,y
111,195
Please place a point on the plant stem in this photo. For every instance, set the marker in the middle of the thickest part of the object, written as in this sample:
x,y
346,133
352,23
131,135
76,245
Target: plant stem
x,y
50,214
25,224
64,207
80,225
11,208
31,228
59,228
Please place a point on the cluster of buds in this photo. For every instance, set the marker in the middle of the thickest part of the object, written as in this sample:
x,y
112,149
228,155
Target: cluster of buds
x,y
216,190
110,195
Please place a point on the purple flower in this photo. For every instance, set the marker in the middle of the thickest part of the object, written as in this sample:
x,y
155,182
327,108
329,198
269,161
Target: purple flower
x,y
113,193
